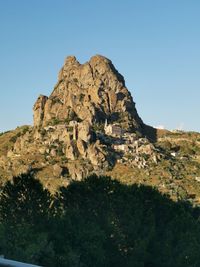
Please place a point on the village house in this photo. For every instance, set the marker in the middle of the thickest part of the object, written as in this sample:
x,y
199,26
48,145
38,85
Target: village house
x,y
122,147
113,129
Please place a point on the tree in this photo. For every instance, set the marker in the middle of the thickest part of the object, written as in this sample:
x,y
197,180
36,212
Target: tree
x,y
24,200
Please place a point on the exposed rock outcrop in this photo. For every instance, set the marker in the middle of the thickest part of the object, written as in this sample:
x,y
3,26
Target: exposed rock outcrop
x,y
38,110
91,92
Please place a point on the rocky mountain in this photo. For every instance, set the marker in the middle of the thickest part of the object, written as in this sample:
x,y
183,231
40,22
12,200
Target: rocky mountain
x,y
89,124
91,92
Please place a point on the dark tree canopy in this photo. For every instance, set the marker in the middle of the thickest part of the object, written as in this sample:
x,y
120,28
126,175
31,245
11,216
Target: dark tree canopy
x,y
97,222
24,199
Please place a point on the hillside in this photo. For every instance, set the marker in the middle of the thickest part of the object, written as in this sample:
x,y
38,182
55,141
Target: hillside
x,y
89,124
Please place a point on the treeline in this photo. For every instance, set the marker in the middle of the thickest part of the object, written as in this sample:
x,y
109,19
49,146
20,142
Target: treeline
x,y
97,222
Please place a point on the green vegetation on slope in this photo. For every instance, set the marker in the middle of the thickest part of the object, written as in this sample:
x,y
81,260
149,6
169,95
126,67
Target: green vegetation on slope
x,y
7,139
97,222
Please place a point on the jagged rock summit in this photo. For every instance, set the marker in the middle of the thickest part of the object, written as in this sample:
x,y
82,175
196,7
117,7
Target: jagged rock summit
x,y
92,92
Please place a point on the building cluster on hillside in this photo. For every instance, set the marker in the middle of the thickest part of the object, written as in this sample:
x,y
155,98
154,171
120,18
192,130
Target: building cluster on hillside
x,y
131,147
127,145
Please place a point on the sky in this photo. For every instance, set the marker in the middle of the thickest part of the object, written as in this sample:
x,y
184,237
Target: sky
x,y
154,44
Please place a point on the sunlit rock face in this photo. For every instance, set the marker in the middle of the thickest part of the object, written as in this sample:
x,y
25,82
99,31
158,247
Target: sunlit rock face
x,y
93,92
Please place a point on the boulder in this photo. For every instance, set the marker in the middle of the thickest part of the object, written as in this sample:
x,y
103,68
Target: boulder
x,y
82,147
84,131
95,155
57,170
71,151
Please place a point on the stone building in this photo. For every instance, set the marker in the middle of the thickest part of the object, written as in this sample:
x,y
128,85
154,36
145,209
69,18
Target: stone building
x,y
112,129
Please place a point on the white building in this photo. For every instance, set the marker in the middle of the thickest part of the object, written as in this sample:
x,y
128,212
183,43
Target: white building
x,y
122,147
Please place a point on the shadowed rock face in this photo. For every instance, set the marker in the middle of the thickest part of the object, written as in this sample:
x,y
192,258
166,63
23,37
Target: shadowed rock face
x,y
91,92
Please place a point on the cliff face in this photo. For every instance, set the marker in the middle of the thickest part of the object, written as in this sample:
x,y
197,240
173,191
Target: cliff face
x,y
92,92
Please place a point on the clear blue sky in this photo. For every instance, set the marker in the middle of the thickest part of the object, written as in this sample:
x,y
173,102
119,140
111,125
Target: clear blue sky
x,y
155,44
